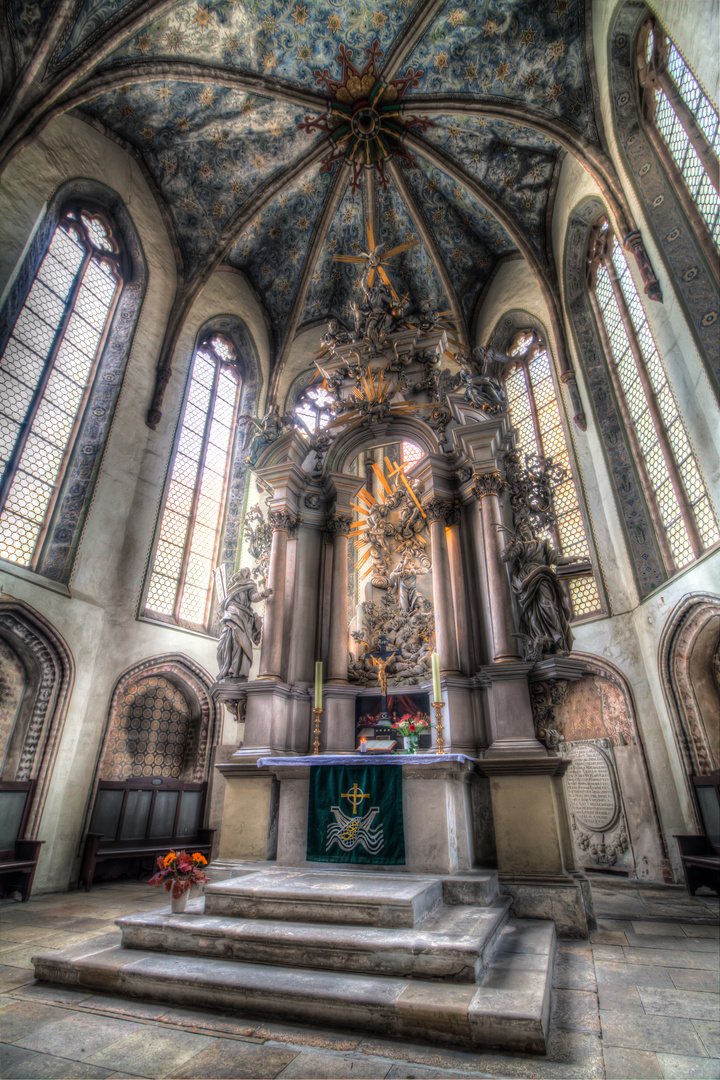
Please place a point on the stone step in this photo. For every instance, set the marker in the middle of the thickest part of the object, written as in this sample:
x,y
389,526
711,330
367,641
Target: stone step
x,y
305,896
454,943
509,1011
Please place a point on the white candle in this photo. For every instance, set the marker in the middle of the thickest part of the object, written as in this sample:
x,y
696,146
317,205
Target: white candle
x,y
437,690
318,685
363,745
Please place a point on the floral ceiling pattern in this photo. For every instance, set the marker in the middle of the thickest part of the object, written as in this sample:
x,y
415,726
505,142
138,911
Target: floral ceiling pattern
x,y
223,99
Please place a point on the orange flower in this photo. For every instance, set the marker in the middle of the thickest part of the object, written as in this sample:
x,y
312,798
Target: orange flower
x,y
169,858
199,859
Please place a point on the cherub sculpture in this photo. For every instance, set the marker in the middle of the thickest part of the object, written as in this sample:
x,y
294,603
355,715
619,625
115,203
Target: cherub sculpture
x,y
268,430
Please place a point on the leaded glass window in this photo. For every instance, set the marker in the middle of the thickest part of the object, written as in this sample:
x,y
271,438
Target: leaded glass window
x,y
535,415
411,454
681,503
686,120
46,373
181,581
312,410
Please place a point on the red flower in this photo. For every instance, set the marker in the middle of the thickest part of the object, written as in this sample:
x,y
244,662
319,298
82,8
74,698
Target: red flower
x,y
412,727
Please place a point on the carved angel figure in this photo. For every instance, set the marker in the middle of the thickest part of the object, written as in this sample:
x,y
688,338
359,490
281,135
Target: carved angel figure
x,y
483,374
240,626
267,430
404,579
544,614
336,334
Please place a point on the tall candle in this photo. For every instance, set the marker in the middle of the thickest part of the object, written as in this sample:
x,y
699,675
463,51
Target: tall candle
x,y
318,684
437,690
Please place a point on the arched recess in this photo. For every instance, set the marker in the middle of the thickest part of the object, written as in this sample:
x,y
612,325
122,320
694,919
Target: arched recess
x,y
162,721
689,658
635,521
37,671
89,442
695,284
601,706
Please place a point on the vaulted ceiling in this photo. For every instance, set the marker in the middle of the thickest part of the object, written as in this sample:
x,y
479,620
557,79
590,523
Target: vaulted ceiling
x,y
273,130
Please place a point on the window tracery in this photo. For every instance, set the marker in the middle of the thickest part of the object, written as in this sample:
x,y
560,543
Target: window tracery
x,y
313,410
181,581
673,485
535,415
47,370
677,110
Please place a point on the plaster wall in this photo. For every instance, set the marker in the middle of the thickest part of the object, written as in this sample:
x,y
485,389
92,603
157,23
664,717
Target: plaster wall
x,y
96,614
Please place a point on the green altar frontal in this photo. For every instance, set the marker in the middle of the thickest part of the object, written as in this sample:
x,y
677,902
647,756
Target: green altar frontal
x,y
355,814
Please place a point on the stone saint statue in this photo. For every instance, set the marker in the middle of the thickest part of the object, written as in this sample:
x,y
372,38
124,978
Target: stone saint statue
x,y
267,431
240,626
404,579
544,618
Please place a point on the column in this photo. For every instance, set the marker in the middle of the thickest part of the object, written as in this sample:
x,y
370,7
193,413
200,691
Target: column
x,y
338,528
301,661
271,657
460,594
487,489
439,513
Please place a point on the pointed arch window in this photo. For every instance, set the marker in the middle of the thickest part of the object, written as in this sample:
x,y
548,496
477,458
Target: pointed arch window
x,y
682,121
181,581
677,497
535,415
313,409
47,370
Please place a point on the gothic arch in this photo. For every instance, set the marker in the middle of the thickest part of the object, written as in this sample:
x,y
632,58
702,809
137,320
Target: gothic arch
x,y
635,521
693,280
73,505
199,723
689,659
48,673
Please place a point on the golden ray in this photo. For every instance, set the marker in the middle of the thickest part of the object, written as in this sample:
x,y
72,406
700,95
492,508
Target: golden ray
x,y
401,247
387,281
370,234
365,495
381,477
363,559
360,509
371,275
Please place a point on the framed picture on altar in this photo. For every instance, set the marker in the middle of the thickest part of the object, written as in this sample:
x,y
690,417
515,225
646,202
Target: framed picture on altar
x,y
368,708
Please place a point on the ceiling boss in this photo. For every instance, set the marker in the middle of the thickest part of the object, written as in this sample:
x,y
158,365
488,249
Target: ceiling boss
x,y
370,128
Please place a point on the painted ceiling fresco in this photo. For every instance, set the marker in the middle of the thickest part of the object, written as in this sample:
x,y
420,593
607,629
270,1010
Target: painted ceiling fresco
x,y
261,84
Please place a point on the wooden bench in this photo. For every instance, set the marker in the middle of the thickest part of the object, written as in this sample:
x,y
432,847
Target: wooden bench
x,y
18,866
135,821
700,853
18,857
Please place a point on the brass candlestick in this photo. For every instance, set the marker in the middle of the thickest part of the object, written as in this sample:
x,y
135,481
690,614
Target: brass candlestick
x,y
438,707
316,743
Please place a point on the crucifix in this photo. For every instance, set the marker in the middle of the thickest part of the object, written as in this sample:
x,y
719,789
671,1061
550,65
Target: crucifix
x,y
381,658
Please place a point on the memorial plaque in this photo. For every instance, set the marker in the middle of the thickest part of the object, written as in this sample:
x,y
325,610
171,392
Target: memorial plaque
x,y
597,816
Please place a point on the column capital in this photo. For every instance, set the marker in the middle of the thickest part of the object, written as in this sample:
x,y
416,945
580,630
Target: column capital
x,y
337,525
489,483
284,521
445,510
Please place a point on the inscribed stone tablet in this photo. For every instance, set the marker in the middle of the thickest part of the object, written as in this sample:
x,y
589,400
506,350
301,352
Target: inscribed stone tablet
x,y
590,788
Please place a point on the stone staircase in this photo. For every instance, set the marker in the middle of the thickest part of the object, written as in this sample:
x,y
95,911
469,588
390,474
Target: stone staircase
x,y
409,956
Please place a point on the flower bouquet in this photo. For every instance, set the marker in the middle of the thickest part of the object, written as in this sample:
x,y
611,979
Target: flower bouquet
x,y
179,872
410,728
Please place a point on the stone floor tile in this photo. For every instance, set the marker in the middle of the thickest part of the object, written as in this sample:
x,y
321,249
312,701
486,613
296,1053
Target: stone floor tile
x,y
692,979
654,927
324,1040
709,1032
575,1010
701,931
34,991
671,958
613,924
25,1017
155,1054
140,1010
17,1063
326,1066
695,1006
18,956
571,974
576,950
197,1019
419,1072
612,995
622,1064
632,975
656,941
78,1036
676,1067
609,953
701,944
415,1053
666,1034
608,937
10,977
228,1059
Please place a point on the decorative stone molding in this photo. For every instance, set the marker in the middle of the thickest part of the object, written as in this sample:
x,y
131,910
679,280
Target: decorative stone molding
x,y
284,521
544,699
490,483
338,525
443,510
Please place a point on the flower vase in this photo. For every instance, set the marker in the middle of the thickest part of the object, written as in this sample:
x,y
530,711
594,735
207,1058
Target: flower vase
x,y
178,903
411,744
196,891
